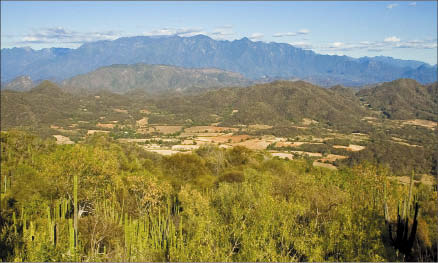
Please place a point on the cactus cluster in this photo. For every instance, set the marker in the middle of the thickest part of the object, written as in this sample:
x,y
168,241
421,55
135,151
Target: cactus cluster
x,y
403,238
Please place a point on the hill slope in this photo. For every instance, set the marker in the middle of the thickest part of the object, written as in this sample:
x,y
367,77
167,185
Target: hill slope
x,y
403,99
152,78
254,60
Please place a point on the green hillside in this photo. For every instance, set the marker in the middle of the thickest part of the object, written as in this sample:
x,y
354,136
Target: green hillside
x,y
403,99
152,78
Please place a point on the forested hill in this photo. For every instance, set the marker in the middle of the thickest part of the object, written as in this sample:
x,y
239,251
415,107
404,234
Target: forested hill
x,y
254,60
403,99
275,103
152,78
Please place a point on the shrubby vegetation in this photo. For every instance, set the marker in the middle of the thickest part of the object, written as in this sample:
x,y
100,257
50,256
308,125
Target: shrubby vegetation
x,y
212,205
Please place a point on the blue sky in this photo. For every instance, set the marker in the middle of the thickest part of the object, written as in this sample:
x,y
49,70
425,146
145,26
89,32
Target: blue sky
x,y
406,30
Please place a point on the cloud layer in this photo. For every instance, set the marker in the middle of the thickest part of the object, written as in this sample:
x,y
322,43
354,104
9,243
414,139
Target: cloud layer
x,y
62,35
291,34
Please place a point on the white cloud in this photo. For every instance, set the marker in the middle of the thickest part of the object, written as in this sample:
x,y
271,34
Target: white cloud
x,y
221,33
287,34
412,4
291,34
182,32
392,39
391,6
301,44
60,35
256,36
337,44
303,31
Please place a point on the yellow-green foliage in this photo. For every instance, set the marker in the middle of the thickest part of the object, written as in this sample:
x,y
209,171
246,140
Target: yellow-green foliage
x,y
212,205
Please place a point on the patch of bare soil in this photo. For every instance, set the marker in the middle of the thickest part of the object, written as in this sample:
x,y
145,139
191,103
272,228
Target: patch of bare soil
x,y
351,147
60,139
142,122
89,132
209,129
254,144
424,123
307,122
106,125
332,158
120,110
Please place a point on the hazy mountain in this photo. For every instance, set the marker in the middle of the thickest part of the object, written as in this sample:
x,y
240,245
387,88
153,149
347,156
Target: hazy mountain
x,y
254,60
21,83
152,78
403,99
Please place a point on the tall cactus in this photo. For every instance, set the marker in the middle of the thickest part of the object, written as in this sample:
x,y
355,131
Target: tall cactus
x,y
75,215
404,239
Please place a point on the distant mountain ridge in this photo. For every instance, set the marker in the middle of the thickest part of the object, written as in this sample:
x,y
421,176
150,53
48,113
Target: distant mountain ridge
x,y
254,60
152,78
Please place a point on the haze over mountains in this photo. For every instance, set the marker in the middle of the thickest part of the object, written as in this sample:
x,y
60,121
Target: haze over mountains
x,y
254,60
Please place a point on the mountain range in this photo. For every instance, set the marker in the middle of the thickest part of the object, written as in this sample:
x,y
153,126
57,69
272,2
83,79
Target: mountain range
x,y
254,60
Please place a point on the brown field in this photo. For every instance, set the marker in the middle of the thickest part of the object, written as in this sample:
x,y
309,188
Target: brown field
x,y
62,139
132,140
167,129
254,144
351,147
106,125
89,132
424,123
332,158
209,129
120,110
